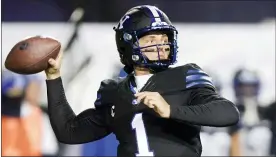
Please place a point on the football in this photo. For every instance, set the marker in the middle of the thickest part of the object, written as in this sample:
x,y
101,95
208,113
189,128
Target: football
x,y
31,55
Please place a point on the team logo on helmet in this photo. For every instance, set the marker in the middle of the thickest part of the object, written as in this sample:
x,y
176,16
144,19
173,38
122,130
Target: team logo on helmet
x,y
122,21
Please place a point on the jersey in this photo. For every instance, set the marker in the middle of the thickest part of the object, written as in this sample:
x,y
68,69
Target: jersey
x,y
140,131
137,127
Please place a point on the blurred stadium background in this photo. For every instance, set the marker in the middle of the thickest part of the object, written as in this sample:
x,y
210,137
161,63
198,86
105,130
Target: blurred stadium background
x,y
220,36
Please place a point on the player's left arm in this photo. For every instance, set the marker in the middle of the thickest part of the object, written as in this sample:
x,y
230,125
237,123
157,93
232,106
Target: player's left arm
x,y
206,107
269,111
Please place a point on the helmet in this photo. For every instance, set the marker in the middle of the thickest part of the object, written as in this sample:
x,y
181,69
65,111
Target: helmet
x,y
137,22
246,78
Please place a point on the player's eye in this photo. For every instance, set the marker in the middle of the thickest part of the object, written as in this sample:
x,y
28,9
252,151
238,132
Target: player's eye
x,y
148,50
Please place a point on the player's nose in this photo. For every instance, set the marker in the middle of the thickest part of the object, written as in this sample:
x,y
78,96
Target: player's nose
x,y
161,50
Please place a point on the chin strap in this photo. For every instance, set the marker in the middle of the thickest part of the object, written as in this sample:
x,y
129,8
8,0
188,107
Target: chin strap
x,y
128,69
158,69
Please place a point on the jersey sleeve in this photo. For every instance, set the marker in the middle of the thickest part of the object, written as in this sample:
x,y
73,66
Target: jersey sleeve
x,y
196,77
205,107
90,125
269,112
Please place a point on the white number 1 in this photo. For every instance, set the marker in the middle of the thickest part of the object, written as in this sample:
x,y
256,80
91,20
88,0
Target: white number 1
x,y
141,136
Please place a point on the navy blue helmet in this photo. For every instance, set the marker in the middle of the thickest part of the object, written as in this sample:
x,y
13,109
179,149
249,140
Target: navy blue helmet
x,y
246,83
137,22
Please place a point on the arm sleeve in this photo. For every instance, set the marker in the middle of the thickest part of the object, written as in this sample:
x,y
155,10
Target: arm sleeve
x,y
270,112
69,128
206,108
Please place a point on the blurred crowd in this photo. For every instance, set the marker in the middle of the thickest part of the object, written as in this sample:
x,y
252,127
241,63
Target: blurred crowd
x,y
26,129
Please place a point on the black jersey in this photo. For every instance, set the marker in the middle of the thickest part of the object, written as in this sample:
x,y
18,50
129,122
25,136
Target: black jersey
x,y
140,131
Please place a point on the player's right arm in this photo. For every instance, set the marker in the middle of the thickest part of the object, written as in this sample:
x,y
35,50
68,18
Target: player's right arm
x,y
69,128
89,125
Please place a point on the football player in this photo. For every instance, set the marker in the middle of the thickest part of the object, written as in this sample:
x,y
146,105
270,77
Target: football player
x,y
155,110
245,140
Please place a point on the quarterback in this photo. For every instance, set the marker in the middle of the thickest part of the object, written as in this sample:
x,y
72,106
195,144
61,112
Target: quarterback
x,y
155,110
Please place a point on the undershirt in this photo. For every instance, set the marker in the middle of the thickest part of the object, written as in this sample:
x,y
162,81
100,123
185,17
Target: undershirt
x,y
140,81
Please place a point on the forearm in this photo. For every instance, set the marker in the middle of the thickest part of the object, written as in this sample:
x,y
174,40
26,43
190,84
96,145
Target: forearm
x,y
217,113
60,112
235,145
68,127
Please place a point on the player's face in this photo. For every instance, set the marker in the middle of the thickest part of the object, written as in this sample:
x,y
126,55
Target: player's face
x,y
248,90
155,38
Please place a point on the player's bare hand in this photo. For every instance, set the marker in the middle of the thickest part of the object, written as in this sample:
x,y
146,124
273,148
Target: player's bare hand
x,y
155,101
53,71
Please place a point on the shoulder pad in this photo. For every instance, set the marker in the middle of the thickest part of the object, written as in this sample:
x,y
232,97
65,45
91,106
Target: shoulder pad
x,y
179,78
195,77
106,92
